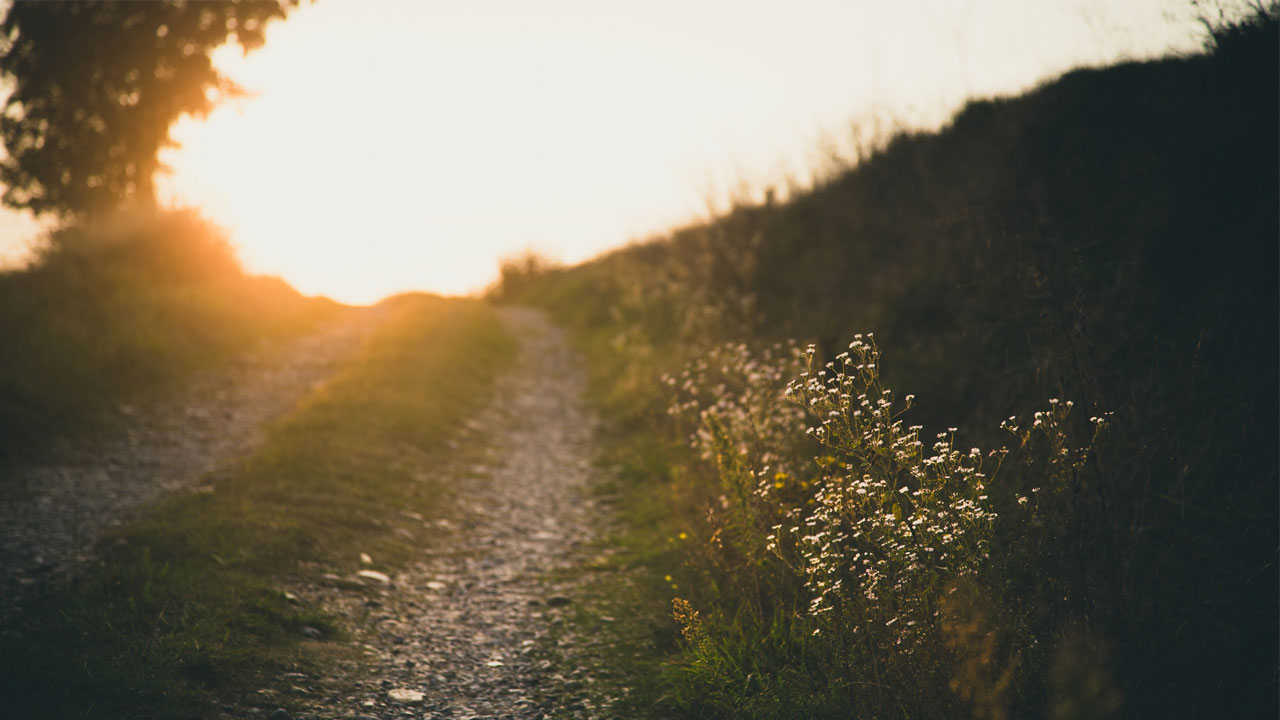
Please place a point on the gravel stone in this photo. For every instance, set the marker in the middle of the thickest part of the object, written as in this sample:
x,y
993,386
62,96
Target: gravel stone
x,y
404,695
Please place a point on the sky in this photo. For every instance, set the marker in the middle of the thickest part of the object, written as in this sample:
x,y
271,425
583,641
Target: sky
x,y
399,145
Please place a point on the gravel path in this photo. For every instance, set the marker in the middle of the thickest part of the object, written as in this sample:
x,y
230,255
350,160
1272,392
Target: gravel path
x,y
476,629
51,514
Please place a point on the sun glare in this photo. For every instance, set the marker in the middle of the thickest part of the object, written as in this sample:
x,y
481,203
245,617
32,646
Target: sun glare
x,y
389,146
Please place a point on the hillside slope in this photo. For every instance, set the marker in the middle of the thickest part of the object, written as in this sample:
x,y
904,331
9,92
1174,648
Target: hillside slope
x,y
1110,238
125,308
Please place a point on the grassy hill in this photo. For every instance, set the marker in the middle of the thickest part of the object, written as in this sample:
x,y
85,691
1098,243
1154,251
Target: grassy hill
x,y
116,309
1109,238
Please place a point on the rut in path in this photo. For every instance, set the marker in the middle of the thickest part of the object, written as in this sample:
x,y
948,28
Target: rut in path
x,y
472,629
51,514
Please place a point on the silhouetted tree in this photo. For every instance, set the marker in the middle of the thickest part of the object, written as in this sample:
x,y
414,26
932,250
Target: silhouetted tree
x,y
96,87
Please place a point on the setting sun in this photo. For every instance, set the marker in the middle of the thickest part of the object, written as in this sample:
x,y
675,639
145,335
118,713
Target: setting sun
x,y
394,146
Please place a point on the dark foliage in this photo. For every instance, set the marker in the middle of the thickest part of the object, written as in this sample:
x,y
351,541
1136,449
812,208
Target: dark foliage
x,y
1112,238
97,86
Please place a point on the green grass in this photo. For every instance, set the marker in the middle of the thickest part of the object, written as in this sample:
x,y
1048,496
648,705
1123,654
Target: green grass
x,y
186,609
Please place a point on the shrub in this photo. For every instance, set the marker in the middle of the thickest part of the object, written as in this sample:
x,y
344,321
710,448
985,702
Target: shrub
x,y
888,542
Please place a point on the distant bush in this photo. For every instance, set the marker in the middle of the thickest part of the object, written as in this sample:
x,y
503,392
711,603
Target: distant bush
x,y
120,308
516,273
174,247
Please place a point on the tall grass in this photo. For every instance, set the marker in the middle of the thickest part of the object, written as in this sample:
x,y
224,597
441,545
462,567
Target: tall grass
x,y
121,308
1108,239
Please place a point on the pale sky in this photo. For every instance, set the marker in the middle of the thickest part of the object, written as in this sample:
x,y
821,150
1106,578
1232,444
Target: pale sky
x,y
406,145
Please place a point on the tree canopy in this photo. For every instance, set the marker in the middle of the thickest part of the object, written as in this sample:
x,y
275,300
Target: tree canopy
x,y
96,87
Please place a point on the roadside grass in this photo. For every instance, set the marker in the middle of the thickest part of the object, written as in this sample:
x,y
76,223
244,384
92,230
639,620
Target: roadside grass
x,y
123,308
185,610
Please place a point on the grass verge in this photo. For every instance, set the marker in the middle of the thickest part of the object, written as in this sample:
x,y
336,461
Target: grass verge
x,y
185,610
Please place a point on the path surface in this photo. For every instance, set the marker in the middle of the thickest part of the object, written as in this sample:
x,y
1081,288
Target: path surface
x,y
476,628
50,515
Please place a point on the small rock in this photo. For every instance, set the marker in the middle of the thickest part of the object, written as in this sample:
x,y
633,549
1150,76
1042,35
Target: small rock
x,y
405,695
558,601
313,633
375,575
366,558
281,714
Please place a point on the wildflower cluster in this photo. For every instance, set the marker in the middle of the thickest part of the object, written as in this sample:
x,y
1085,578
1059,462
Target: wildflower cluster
x,y
894,522
732,403
883,523
1057,462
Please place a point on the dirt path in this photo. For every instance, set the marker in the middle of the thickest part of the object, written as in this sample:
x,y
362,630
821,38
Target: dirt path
x,y
50,515
476,629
